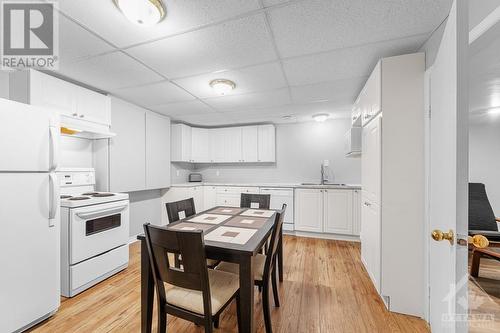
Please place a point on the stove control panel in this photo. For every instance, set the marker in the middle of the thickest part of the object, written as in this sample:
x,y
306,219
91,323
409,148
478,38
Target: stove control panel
x,y
76,178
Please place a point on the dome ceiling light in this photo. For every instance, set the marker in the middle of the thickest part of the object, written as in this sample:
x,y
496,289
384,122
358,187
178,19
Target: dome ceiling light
x,y
222,86
321,117
145,13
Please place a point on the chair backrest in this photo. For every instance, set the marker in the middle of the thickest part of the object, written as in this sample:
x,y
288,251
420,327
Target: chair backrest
x,y
247,199
174,208
274,242
481,215
194,274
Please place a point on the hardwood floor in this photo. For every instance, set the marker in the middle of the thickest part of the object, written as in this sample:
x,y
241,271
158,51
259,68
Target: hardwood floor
x,y
325,289
484,298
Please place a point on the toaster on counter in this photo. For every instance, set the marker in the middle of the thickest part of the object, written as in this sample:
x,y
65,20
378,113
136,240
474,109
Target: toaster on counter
x,y
195,177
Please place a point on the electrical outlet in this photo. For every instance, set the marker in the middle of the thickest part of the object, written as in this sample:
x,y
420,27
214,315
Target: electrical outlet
x,y
217,173
178,173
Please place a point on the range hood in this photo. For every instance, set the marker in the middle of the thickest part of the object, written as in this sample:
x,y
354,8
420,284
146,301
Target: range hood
x,y
84,129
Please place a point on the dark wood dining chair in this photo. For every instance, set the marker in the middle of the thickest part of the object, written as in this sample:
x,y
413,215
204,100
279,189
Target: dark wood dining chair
x,y
263,200
264,269
173,211
482,220
194,293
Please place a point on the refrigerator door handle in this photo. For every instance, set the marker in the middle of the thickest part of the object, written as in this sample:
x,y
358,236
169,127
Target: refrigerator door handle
x,y
54,145
54,198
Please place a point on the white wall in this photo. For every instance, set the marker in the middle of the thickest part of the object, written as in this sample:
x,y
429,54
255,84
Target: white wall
x,y
484,157
300,150
4,84
76,152
145,207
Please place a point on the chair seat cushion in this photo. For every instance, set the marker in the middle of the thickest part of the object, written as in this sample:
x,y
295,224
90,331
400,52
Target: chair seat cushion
x,y
223,286
259,262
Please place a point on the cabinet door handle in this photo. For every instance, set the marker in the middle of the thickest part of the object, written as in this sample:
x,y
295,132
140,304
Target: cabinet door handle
x,y
82,116
75,114
367,204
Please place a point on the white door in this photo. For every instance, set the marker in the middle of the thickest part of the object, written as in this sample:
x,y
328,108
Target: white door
x,y
30,278
309,210
249,152
371,240
338,211
448,172
371,158
27,142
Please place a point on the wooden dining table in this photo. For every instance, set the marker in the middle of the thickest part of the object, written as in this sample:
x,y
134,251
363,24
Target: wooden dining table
x,y
233,252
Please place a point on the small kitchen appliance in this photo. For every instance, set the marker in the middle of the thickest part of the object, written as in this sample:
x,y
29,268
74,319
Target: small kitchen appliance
x,y
195,178
94,231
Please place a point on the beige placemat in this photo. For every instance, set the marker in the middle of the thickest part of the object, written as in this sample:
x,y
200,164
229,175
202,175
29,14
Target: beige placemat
x,y
230,235
258,213
246,222
209,218
226,210
188,226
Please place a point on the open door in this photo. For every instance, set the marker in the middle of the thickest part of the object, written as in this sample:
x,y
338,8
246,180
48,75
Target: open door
x,y
448,176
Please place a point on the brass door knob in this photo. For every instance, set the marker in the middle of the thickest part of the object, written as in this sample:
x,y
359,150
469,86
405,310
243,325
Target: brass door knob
x,y
438,236
478,241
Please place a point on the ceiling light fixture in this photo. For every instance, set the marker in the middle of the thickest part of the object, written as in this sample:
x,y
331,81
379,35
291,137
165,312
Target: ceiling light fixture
x,y
222,86
321,117
145,13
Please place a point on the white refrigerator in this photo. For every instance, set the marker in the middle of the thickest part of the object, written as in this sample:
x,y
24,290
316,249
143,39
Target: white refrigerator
x,y
29,215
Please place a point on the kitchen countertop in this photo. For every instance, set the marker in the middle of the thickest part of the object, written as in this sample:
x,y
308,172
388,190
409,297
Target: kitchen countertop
x,y
272,185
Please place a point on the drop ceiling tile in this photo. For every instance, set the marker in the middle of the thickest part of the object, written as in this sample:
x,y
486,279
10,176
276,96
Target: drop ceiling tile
x,y
212,119
105,19
183,108
251,100
340,90
154,94
233,44
109,72
76,42
345,63
332,24
249,79
269,3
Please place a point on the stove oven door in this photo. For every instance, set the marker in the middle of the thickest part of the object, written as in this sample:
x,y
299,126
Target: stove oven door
x,y
97,229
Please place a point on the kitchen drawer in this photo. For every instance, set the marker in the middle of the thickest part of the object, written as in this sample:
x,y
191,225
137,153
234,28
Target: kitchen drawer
x,y
234,189
94,268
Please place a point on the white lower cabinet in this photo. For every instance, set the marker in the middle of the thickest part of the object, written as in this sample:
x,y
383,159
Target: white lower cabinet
x,y
209,196
231,196
309,210
326,211
338,211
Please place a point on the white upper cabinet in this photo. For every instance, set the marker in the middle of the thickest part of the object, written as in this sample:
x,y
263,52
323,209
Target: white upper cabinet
x,y
249,144
232,144
267,143
181,143
200,145
245,144
217,139
92,106
371,96
338,211
71,100
157,151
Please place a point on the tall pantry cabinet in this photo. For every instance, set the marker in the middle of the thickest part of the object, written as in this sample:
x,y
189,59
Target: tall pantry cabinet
x,y
393,178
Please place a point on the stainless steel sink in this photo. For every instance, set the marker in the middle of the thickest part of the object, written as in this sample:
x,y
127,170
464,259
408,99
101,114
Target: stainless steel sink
x,y
326,184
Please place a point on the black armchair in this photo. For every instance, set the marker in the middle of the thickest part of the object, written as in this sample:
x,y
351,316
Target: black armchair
x,y
482,220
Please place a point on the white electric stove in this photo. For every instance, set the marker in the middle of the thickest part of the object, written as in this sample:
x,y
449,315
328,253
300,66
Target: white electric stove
x,y
94,231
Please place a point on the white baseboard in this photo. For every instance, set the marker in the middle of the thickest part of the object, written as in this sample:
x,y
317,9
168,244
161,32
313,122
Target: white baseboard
x,y
133,239
350,238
